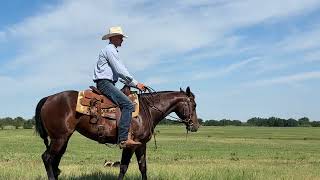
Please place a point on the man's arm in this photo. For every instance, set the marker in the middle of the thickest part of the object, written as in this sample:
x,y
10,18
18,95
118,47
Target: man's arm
x,y
117,66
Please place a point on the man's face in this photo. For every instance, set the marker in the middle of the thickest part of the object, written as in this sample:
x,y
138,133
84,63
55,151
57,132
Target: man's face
x,y
116,40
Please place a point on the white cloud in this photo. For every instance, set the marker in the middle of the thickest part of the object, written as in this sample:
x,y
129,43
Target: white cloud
x,y
266,65
313,56
59,46
289,79
294,50
2,36
224,70
300,41
156,80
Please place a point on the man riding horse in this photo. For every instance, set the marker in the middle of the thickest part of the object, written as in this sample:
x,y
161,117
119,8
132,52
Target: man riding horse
x,y
57,118
107,71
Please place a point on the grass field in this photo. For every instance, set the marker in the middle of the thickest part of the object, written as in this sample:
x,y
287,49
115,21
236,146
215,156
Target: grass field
x,y
211,153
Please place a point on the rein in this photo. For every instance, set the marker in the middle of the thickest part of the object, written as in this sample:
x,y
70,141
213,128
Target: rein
x,y
187,121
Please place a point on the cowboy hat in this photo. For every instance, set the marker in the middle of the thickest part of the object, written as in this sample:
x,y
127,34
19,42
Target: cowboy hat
x,y
114,31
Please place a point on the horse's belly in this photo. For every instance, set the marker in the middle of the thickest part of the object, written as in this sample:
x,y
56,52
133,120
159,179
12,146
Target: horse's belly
x,y
104,131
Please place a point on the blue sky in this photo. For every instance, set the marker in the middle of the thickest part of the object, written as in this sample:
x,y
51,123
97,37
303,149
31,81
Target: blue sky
x,y
241,58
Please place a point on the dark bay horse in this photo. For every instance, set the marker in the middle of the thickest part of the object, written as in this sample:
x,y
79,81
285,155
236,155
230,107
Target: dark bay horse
x,y
56,118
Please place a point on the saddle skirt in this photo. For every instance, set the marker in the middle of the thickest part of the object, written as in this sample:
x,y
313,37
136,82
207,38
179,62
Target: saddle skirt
x,y
93,104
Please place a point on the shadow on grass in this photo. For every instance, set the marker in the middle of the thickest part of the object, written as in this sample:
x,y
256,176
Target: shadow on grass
x,y
97,175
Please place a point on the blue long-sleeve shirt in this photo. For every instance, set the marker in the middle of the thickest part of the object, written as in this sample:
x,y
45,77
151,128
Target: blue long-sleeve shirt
x,y
109,66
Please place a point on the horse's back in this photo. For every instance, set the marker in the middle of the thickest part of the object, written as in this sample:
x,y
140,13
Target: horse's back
x,y
58,113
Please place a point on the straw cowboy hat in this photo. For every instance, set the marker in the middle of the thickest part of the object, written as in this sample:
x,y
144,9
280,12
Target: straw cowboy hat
x,y
114,31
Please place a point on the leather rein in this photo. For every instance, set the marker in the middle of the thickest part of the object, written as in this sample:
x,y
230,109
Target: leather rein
x,y
187,121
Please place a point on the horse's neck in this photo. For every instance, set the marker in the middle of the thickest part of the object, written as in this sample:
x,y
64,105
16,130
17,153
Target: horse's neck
x,y
160,105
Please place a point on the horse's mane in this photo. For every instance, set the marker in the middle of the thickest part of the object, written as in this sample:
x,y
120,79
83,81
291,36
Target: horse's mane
x,y
148,94
154,93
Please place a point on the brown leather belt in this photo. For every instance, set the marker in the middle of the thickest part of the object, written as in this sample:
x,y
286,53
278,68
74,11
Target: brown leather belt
x,y
113,82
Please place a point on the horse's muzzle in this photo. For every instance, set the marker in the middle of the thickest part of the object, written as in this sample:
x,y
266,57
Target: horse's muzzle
x,y
193,128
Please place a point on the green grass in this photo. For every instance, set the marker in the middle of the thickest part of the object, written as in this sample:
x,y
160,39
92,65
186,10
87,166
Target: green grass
x,y
211,153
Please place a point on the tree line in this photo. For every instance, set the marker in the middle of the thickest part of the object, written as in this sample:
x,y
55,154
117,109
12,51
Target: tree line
x,y
20,122
266,122
256,121
17,122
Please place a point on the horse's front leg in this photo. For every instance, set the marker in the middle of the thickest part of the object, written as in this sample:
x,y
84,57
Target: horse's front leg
x,y
141,158
125,160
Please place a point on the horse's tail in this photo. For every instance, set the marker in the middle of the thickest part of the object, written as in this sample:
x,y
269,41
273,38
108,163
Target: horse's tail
x,y
39,125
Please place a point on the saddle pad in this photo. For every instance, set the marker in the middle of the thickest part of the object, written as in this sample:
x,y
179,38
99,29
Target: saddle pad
x,y
106,112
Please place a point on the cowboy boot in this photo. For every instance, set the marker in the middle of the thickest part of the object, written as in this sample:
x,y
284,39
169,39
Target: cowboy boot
x,y
129,143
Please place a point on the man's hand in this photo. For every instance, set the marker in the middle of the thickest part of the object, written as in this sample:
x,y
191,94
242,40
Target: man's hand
x,y
141,87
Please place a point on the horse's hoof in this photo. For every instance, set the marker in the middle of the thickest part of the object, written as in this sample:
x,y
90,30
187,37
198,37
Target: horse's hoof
x,y
57,173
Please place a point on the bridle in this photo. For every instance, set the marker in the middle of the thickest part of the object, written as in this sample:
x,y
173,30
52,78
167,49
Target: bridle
x,y
188,115
187,121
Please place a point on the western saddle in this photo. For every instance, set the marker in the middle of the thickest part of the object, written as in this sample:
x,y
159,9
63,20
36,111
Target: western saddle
x,y
93,103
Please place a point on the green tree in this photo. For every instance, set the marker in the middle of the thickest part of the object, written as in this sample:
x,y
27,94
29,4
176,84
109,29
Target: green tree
x,y
7,121
236,123
200,121
304,122
292,123
18,122
211,123
27,124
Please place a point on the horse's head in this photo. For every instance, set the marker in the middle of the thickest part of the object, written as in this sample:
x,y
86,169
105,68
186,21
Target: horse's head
x,y
186,110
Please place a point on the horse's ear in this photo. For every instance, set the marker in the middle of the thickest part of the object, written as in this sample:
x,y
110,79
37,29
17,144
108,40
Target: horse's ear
x,y
188,91
181,90
126,90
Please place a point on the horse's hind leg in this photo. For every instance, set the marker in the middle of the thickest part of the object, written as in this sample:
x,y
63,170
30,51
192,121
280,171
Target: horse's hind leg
x,y
51,156
56,161
46,158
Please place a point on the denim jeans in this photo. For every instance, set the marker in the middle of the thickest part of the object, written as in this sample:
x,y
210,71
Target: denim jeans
x,y
114,94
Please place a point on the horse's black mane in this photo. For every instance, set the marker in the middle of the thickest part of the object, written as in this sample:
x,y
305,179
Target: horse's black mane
x,y
155,93
146,94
